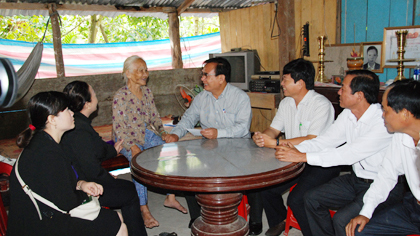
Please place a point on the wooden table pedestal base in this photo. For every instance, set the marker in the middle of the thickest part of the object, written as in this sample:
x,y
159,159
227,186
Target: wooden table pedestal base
x,y
219,216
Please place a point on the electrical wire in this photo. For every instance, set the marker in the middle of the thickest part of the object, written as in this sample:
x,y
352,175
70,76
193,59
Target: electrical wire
x,y
345,21
300,44
325,27
264,115
258,57
275,21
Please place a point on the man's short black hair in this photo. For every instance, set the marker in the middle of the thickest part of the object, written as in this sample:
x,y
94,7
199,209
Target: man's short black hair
x,y
366,82
301,69
405,94
372,48
222,68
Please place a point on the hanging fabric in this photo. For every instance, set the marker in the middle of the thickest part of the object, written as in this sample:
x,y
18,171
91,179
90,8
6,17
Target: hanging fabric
x,y
27,72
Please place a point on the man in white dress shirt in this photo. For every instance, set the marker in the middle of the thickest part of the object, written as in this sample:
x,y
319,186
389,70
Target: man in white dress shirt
x,y
401,112
360,131
302,115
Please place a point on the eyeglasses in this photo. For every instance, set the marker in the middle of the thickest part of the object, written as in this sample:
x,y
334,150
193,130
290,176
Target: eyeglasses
x,y
204,74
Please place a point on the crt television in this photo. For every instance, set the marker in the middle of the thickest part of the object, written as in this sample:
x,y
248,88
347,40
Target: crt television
x,y
243,64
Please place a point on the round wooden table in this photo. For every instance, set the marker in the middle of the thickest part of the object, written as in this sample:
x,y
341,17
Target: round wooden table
x,y
218,170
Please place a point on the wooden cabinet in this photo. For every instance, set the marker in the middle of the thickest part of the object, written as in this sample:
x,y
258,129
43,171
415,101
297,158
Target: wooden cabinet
x,y
332,94
264,107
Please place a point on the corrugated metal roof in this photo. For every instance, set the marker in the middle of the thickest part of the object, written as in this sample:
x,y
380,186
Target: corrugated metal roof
x,y
197,4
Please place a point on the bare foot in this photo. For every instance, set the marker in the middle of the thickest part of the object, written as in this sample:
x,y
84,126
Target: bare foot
x,y
149,220
171,202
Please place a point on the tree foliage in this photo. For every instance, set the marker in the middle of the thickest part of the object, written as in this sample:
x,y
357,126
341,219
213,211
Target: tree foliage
x,y
122,28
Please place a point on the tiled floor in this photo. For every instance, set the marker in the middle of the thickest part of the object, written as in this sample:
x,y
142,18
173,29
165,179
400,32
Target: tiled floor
x,y
171,220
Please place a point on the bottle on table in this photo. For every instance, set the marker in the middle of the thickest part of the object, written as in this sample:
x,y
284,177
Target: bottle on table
x,y
416,74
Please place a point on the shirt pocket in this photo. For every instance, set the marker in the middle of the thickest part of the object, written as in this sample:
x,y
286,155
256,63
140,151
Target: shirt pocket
x,y
304,128
229,119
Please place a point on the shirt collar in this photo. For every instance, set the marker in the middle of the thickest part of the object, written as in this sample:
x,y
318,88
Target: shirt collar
x,y
80,116
368,115
307,98
227,88
407,140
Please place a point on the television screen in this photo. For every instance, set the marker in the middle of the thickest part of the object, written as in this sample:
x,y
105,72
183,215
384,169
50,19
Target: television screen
x,y
237,65
243,64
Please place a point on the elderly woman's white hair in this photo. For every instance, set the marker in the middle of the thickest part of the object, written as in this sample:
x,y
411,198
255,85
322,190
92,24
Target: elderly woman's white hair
x,y
127,65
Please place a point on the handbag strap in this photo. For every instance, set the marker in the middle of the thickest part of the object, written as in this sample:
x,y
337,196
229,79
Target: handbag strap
x,y
32,195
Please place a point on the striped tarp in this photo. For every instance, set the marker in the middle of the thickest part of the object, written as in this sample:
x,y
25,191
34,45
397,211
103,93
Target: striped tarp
x,y
107,58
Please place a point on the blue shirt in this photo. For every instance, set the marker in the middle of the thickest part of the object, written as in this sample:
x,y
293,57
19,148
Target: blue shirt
x,y
230,114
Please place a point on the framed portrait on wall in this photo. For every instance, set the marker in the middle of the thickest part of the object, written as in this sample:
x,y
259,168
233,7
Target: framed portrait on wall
x,y
372,56
390,47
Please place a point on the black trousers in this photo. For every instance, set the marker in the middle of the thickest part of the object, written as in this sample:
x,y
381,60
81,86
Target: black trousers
x,y
255,202
193,207
344,193
405,217
122,194
311,177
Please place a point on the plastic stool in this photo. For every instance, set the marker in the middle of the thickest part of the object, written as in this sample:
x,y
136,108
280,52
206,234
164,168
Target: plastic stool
x,y
243,208
291,220
7,169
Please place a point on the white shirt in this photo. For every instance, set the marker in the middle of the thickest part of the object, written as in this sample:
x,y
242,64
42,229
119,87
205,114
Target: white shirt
x,y
230,114
367,140
401,158
313,115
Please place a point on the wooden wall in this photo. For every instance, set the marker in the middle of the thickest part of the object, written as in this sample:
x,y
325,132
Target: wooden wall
x,y
322,18
365,20
250,28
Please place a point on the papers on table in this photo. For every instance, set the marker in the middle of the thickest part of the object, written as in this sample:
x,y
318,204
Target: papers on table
x,y
195,132
120,171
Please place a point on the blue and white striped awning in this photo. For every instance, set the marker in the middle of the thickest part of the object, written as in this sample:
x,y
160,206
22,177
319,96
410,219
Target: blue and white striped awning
x,y
107,58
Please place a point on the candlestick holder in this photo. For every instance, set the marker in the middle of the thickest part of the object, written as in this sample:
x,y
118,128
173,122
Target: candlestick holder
x,y
401,40
320,77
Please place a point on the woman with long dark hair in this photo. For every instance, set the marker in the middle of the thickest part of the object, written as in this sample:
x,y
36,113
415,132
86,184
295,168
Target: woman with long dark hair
x,y
88,150
48,171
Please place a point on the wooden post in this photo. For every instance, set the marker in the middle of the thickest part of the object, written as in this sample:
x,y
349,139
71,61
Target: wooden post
x,y
101,27
58,51
286,19
184,6
93,28
175,40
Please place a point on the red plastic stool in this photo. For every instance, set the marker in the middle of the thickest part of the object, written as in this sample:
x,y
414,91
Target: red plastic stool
x,y
243,208
4,168
291,220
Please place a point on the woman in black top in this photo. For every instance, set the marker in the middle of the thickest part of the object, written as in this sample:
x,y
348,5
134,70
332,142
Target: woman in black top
x,y
48,171
89,150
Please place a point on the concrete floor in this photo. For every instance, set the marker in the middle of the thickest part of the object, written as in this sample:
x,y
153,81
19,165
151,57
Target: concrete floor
x,y
171,220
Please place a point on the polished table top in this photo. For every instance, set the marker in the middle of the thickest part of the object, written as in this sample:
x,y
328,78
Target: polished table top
x,y
214,165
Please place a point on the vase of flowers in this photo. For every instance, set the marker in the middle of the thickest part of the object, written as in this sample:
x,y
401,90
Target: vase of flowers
x,y
355,61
